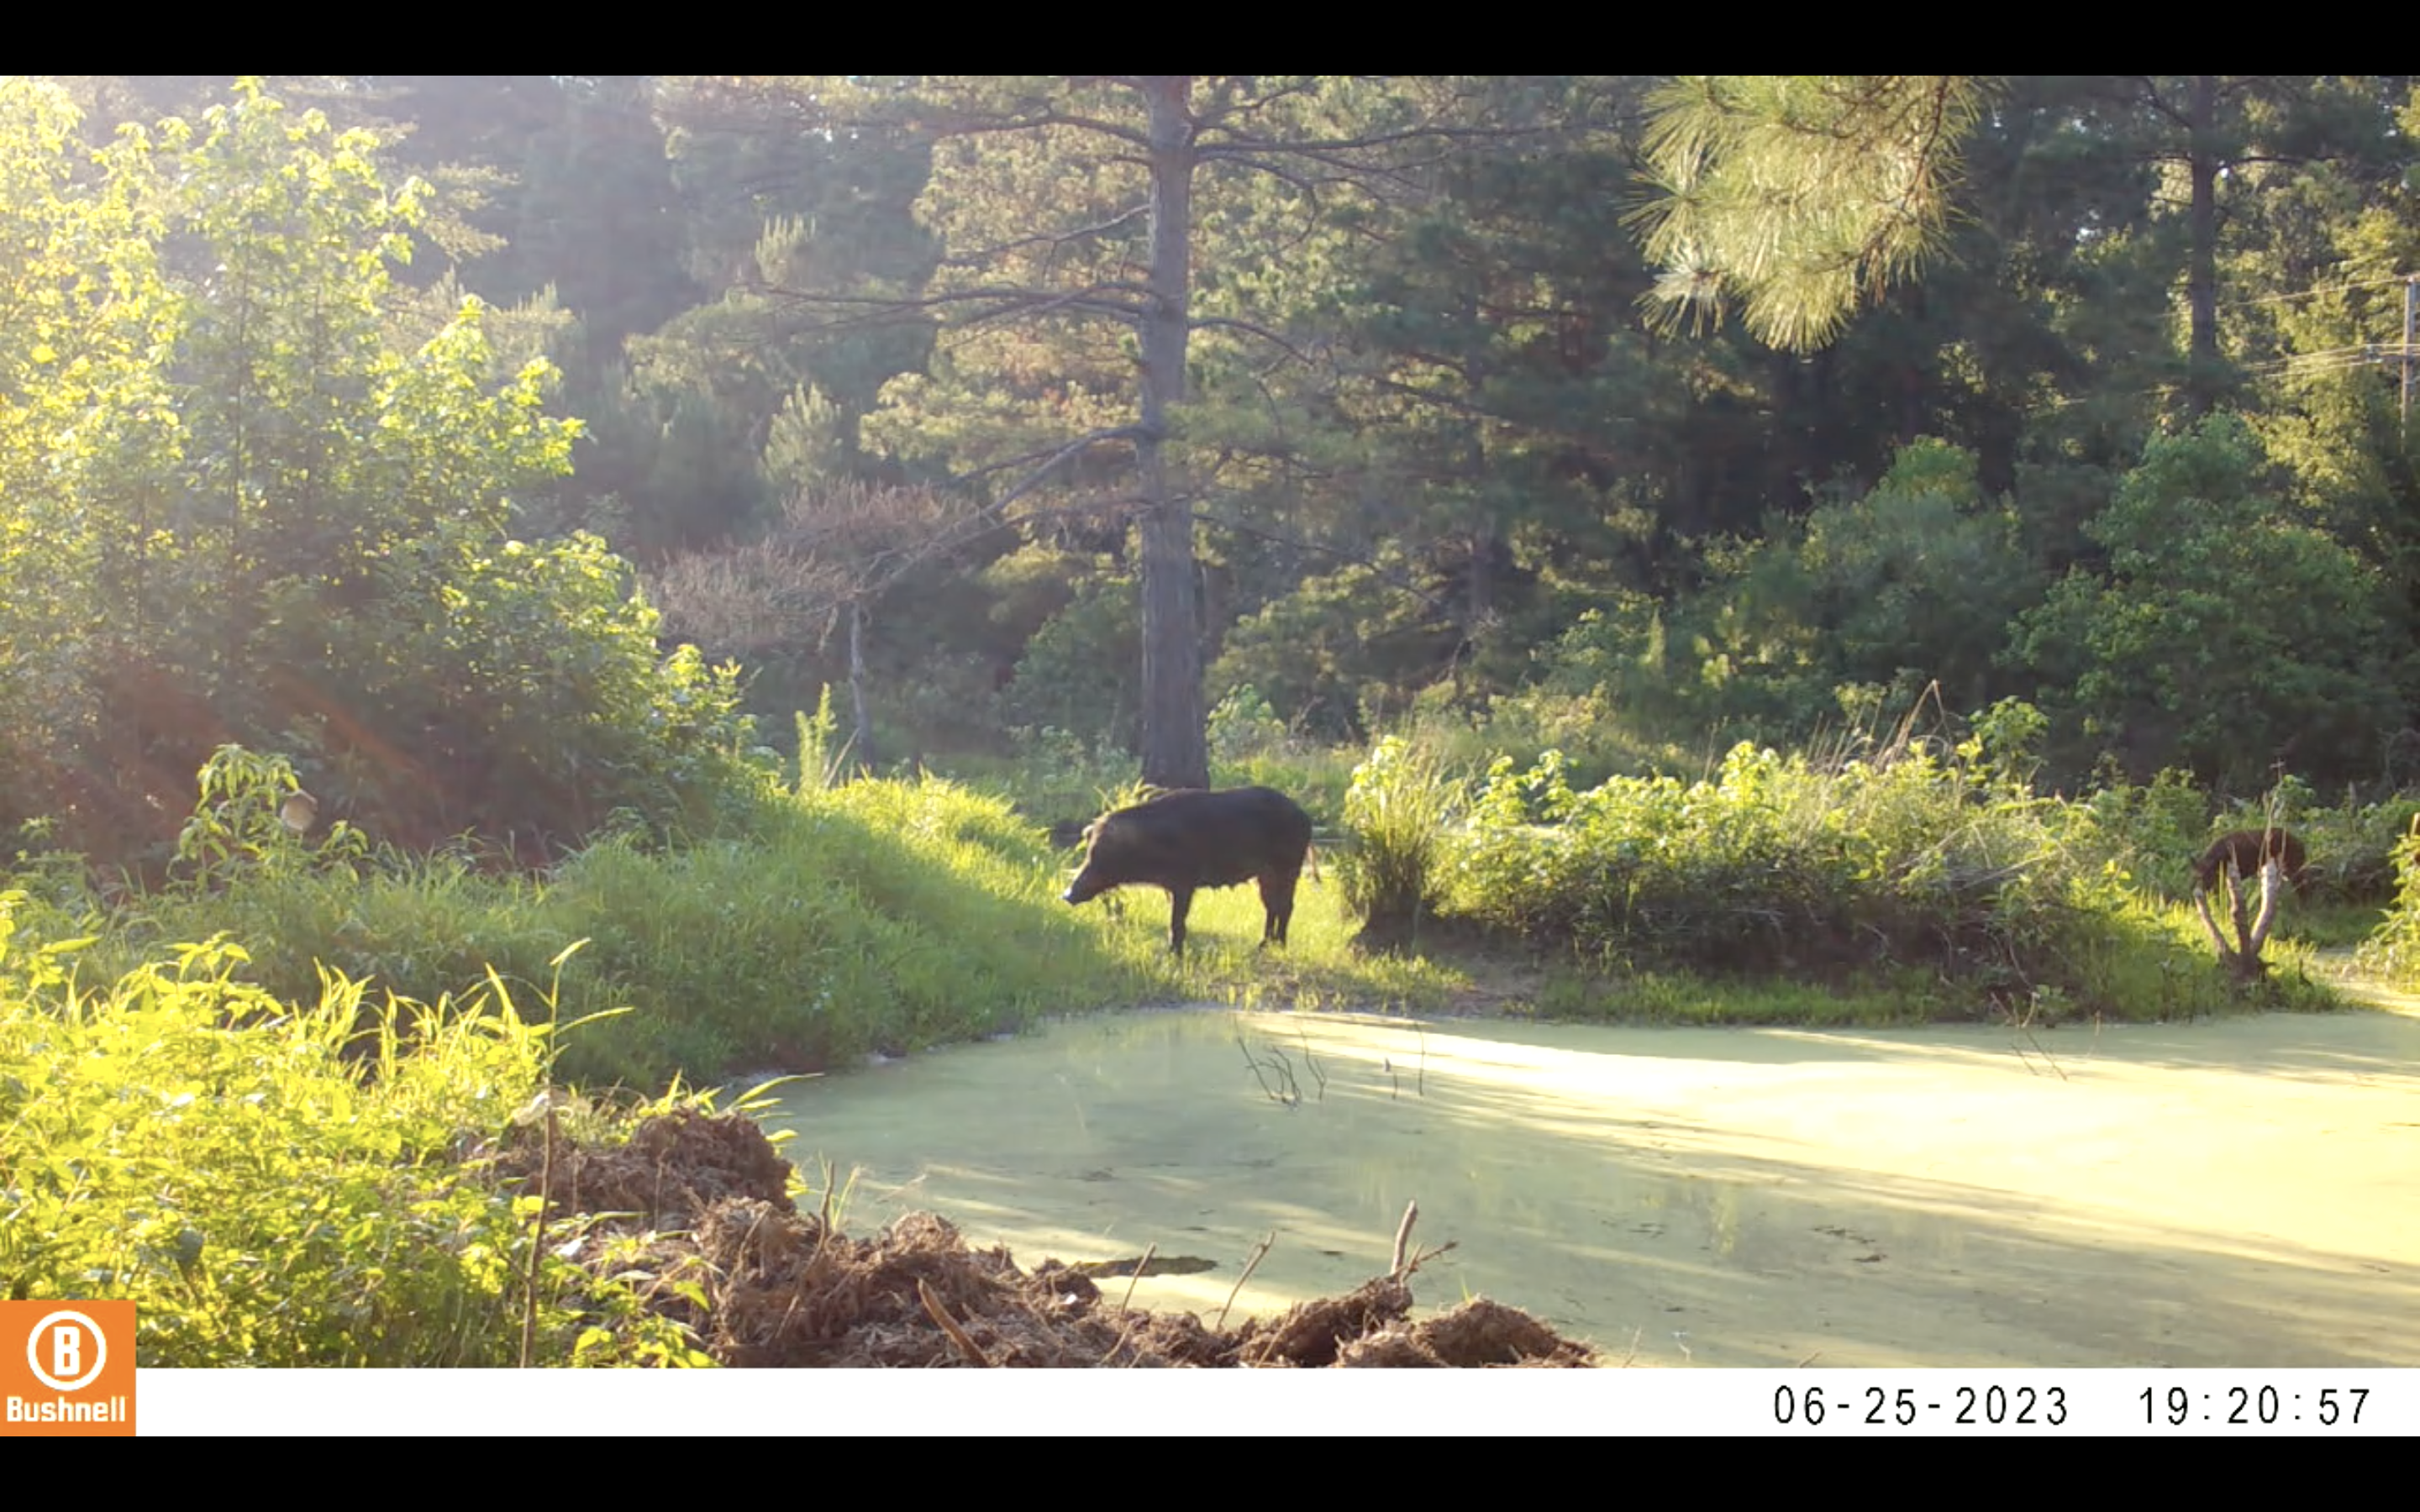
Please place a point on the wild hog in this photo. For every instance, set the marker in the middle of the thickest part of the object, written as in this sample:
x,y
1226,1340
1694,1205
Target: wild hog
x,y
1187,841
2249,850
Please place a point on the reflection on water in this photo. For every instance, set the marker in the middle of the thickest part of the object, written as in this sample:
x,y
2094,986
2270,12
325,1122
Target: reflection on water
x,y
2236,1194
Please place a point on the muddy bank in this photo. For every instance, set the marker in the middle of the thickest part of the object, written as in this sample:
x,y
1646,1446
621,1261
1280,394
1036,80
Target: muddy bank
x,y
783,1288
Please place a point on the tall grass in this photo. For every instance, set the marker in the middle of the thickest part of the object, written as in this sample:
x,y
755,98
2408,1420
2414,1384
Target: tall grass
x,y
184,1139
877,916
2394,951
1926,881
1397,814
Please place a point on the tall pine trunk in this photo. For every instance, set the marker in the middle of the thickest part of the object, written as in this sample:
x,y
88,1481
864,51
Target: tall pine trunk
x,y
2202,375
1175,751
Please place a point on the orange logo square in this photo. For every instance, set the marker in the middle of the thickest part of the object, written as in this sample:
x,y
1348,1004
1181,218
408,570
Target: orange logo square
x,y
66,1370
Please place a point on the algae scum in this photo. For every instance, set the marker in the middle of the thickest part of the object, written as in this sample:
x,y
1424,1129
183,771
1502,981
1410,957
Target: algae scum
x,y
2241,1194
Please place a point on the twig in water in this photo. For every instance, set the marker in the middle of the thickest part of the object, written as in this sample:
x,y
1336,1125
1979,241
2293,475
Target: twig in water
x,y
1273,1094
1427,1254
1259,1251
1136,1274
1249,1060
2045,1055
957,1335
1312,1061
1285,1070
2023,1058
1404,1237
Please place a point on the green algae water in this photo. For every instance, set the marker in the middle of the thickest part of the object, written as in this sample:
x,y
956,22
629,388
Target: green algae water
x,y
2244,1192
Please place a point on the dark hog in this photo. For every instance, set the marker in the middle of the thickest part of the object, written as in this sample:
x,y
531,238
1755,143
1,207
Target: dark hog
x,y
1183,842
2249,850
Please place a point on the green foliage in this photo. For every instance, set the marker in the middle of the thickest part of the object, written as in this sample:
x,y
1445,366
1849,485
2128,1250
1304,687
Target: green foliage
x,y
1875,600
852,925
2394,949
2151,834
1913,583
1333,652
877,915
1861,873
1242,725
184,1140
2224,636
1801,195
1677,997
819,765
2351,846
2005,742
1055,776
530,677
1396,813
253,816
874,916
1081,672
301,528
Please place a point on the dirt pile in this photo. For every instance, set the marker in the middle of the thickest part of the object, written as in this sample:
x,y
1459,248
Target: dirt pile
x,y
782,1289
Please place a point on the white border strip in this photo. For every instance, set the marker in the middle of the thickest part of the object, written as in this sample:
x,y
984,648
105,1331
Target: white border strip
x,y
1814,1403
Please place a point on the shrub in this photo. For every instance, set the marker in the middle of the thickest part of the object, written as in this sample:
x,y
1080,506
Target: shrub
x,y
182,1139
1776,867
1396,813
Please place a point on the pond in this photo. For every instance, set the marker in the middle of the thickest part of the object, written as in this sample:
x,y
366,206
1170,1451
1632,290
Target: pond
x,y
2235,1193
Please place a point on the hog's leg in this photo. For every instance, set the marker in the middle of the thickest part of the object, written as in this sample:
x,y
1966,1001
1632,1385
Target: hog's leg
x,y
1277,897
1179,903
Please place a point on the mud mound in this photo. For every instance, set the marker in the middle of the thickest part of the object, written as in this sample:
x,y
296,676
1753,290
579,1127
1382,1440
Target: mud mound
x,y
675,1169
706,1193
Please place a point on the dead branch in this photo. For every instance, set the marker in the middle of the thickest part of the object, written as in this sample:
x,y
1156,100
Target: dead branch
x,y
1049,238
1392,580
934,1310
1259,1252
2243,959
1136,1274
995,303
1403,1239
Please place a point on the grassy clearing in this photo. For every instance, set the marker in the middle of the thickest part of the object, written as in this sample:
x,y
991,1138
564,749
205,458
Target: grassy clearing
x,y
1318,966
881,917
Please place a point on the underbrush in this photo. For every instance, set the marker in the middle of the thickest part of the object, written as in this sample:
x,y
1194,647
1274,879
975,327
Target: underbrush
x,y
2394,951
1906,887
883,916
877,916
889,916
270,1187
2156,831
